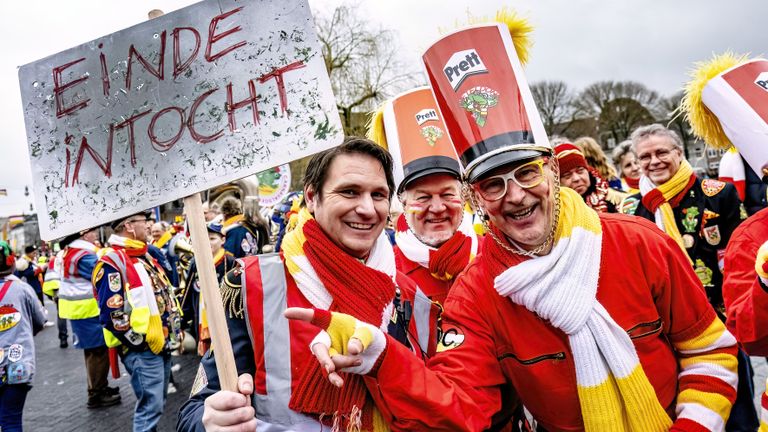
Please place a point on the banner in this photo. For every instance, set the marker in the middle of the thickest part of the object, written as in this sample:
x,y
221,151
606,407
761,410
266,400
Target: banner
x,y
176,105
274,184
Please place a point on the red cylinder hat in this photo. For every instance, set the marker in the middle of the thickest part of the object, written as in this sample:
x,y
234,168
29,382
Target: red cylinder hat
x,y
483,96
415,136
569,157
726,103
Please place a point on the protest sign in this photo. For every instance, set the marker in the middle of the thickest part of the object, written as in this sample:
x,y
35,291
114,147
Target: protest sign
x,y
173,106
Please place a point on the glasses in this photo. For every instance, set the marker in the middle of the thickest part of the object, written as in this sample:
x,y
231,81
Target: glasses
x,y
137,221
664,155
526,176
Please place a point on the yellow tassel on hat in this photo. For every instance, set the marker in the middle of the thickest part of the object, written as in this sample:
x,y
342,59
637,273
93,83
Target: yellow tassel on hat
x,y
519,28
375,127
704,124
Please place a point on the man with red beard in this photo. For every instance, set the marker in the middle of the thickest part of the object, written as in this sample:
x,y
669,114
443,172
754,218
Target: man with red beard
x,y
435,238
585,180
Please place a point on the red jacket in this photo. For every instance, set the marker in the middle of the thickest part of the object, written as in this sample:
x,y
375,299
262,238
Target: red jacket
x,y
434,288
746,299
496,347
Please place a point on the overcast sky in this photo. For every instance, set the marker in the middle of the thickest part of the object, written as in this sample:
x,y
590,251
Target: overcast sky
x,y
577,41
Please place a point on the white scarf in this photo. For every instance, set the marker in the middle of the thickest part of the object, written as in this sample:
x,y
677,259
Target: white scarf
x,y
418,252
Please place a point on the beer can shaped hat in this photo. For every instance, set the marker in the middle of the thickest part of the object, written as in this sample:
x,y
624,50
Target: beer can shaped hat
x,y
726,103
484,98
415,137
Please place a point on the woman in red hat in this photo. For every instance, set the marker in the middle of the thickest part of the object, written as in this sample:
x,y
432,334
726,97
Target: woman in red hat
x,y
585,180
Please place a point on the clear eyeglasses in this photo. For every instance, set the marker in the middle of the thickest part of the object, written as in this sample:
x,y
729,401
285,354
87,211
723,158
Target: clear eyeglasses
x,y
526,176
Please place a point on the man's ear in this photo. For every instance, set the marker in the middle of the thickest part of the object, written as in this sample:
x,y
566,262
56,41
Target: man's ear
x,y
310,198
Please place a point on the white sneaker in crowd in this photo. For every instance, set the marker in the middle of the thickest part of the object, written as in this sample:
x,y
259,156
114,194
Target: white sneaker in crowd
x,y
176,368
171,388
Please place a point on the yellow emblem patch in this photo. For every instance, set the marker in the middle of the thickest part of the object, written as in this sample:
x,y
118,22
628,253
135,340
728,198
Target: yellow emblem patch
x,y
711,187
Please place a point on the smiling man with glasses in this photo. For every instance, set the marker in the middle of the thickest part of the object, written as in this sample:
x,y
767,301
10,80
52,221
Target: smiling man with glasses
x,y
700,215
595,321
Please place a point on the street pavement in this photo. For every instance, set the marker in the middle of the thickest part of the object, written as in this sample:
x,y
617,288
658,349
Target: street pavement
x,y
56,403
57,399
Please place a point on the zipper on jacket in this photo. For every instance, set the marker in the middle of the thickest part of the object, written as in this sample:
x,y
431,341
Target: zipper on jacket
x,y
556,356
644,329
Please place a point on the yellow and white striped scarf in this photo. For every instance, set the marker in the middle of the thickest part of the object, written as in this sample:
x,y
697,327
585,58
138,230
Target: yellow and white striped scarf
x,y
614,392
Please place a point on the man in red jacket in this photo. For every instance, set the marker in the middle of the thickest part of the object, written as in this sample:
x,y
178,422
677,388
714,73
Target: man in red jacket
x,y
434,236
598,322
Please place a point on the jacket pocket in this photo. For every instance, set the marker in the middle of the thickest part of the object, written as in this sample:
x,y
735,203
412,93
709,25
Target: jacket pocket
x,y
645,329
554,356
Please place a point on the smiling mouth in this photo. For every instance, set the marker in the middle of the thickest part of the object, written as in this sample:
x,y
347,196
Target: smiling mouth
x,y
522,214
437,221
359,226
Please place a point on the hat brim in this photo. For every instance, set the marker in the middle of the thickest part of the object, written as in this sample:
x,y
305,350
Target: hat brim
x,y
115,223
421,174
501,159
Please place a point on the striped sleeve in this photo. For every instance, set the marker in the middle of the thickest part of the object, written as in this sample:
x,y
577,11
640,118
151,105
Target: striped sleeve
x,y
707,380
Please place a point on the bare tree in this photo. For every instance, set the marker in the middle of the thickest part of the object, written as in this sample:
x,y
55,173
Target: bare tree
x,y
676,121
619,107
363,61
554,101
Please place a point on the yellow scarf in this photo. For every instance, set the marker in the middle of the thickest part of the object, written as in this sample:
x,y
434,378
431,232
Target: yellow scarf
x,y
163,240
665,217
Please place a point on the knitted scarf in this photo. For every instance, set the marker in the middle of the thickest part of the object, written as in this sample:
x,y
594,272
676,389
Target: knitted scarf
x,y
164,239
331,279
443,262
596,199
134,248
662,198
633,185
561,287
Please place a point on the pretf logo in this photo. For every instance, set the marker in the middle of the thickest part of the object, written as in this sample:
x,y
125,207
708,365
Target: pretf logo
x,y
461,65
762,81
426,115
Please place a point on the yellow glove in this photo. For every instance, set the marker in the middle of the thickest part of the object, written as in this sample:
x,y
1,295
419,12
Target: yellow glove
x,y
761,263
155,335
340,328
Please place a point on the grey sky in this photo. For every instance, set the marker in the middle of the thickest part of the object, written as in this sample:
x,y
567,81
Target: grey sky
x,y
577,41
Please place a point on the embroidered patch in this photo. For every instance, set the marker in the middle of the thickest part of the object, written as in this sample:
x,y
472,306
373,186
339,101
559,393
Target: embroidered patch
x,y
711,187
708,214
690,220
18,373
703,272
712,235
15,352
115,282
245,246
9,317
120,320
449,339
99,274
116,301
629,205
201,380
133,337
688,241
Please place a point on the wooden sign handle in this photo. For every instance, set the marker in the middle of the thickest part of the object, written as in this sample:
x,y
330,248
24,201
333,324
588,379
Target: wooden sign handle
x,y
217,323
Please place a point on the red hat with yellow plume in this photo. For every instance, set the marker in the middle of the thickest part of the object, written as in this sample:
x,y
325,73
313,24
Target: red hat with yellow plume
x,y
477,80
410,127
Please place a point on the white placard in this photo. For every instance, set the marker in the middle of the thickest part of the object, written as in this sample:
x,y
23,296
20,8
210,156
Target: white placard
x,y
176,105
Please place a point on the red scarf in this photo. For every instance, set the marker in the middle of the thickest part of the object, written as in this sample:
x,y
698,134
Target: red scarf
x,y
451,257
653,199
356,289
633,183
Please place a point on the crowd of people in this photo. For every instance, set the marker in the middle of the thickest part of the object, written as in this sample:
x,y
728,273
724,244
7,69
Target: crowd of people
x,y
520,286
